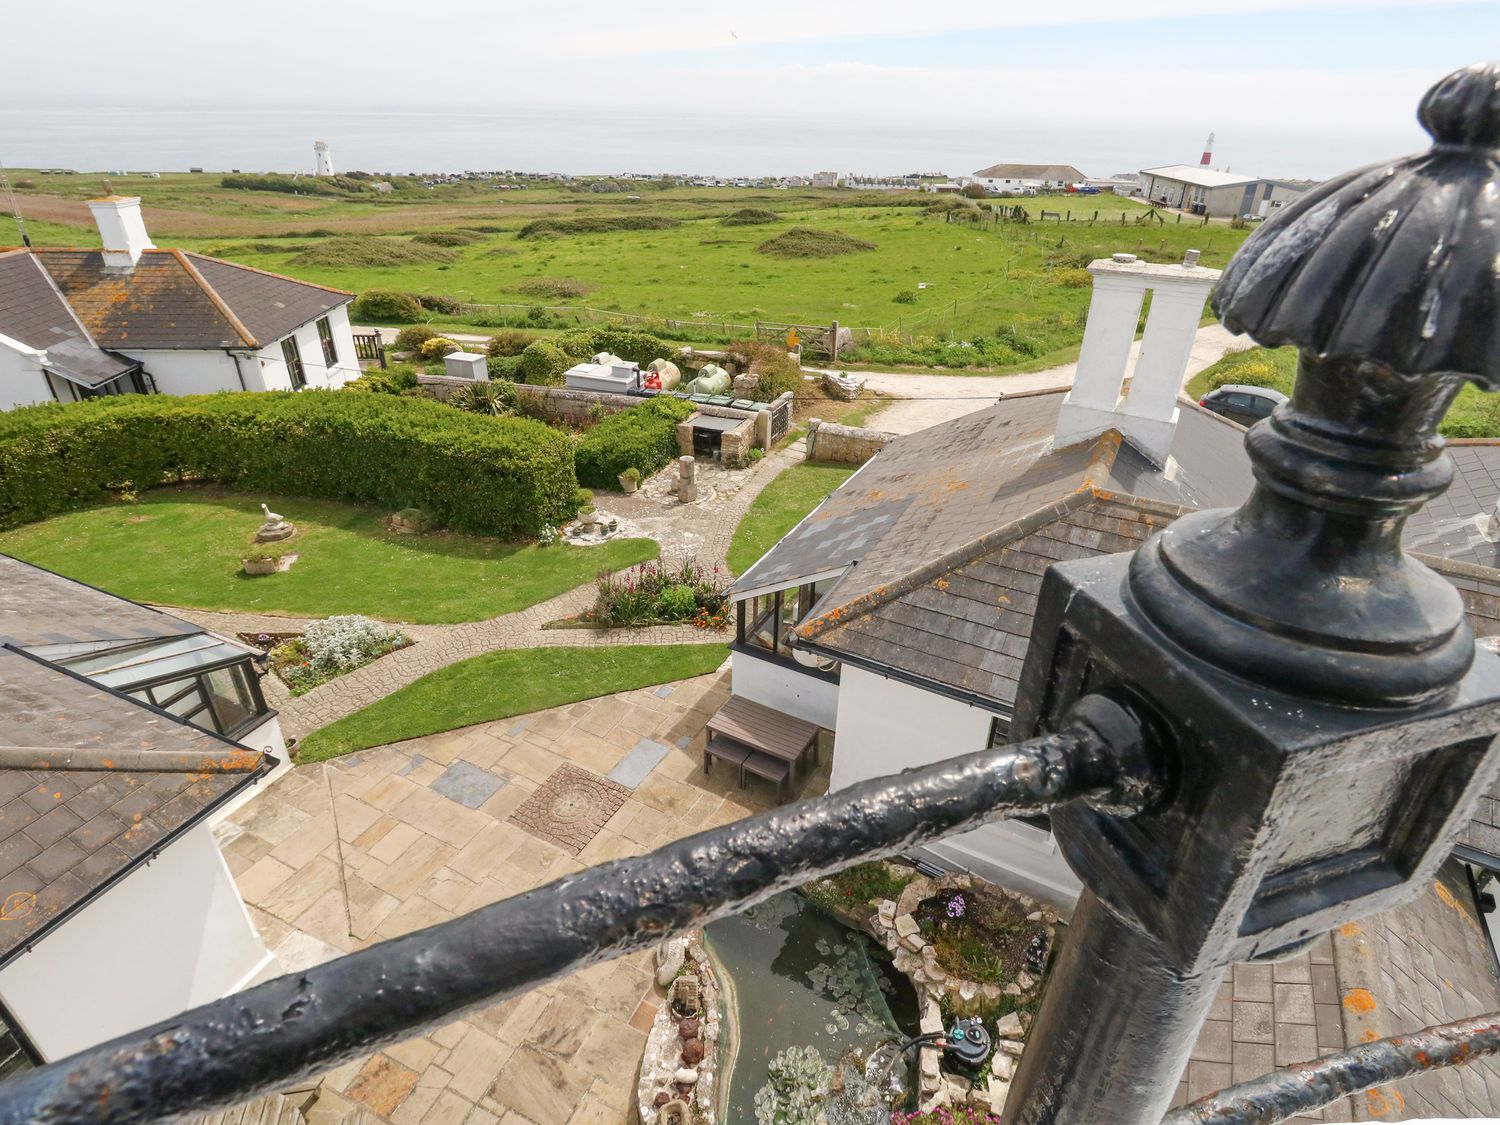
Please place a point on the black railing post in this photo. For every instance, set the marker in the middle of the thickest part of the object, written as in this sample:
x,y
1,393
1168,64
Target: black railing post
x,y
1319,689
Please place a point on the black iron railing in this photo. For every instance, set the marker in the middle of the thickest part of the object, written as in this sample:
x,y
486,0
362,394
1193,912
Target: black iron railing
x,y
299,1025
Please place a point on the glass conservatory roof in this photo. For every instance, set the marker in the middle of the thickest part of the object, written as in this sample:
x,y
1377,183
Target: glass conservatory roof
x,y
155,661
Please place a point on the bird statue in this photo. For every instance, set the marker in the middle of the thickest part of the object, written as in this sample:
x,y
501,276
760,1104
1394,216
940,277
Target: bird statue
x,y
272,517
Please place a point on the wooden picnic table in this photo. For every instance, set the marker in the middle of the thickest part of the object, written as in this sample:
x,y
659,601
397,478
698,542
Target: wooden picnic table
x,y
775,742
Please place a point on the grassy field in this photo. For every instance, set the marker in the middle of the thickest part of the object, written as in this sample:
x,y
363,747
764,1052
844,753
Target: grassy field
x,y
498,685
794,493
182,547
926,276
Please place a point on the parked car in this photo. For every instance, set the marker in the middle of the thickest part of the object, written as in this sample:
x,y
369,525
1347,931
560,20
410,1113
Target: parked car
x,y
1243,404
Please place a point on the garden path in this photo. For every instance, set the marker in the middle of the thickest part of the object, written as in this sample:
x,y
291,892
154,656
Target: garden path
x,y
921,401
702,530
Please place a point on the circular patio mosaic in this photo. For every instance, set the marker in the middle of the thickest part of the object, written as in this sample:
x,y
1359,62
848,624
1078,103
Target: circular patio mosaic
x,y
570,807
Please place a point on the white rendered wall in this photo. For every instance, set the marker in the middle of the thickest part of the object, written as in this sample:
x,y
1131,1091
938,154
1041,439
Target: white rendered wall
x,y
268,739
886,726
274,375
188,372
171,935
785,689
22,380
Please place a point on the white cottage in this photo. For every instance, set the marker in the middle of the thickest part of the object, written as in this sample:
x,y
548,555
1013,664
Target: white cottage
x,y
126,734
132,318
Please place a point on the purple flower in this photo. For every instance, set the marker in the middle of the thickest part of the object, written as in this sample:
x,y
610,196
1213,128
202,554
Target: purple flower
x,y
956,906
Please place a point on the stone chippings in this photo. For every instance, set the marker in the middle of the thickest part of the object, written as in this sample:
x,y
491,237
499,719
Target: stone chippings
x,y
680,1048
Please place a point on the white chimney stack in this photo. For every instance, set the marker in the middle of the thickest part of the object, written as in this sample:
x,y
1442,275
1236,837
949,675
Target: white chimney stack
x,y
1147,416
122,230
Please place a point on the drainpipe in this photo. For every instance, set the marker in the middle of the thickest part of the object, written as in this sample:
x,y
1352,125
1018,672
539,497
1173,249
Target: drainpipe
x,y
1329,722
239,369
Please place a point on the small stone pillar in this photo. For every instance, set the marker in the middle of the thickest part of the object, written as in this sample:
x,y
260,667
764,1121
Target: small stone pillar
x,y
687,480
812,438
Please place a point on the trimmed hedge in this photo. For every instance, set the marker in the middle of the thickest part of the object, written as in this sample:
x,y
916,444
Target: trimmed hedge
x,y
644,438
544,363
486,476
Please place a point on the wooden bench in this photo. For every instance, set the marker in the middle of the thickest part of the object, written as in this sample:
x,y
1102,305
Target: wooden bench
x,y
777,743
772,769
728,750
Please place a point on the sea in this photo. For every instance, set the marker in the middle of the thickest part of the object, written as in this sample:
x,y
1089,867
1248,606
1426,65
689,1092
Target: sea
x,y
176,137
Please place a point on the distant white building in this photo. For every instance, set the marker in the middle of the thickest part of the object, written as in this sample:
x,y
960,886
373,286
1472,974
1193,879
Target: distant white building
x,y
1015,178
1204,191
323,161
132,318
825,179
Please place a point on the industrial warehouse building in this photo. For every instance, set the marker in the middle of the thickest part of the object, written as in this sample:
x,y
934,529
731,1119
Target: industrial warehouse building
x,y
1204,191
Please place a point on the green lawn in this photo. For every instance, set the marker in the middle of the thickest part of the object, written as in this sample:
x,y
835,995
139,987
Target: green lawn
x,y
500,684
794,493
183,546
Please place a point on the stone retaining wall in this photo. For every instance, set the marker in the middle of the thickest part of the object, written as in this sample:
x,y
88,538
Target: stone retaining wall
x,y
681,1063
828,441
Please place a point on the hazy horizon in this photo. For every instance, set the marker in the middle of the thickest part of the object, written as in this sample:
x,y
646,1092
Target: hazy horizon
x,y
1291,88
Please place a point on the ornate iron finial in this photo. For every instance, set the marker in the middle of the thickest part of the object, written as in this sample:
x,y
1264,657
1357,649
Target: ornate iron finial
x,y
1388,281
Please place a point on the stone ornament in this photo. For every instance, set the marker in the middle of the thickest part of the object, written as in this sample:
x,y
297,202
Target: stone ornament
x,y
275,528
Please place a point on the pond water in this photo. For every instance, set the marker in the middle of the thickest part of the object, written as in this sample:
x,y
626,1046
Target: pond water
x,y
798,978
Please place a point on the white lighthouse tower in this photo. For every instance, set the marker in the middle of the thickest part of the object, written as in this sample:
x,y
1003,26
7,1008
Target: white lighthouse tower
x,y
1208,150
323,162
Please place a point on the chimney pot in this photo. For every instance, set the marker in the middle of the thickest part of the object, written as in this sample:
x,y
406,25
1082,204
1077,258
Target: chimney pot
x,y
1122,258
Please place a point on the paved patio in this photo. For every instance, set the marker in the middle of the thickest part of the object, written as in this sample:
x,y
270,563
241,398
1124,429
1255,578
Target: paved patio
x,y
338,855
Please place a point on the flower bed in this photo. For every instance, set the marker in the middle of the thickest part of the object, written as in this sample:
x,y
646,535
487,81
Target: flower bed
x,y
332,647
657,594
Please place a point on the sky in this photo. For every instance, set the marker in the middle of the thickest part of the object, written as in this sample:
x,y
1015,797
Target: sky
x,y
1290,87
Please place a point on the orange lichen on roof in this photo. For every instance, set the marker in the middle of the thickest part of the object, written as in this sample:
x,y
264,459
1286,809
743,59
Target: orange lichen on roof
x,y
1359,1000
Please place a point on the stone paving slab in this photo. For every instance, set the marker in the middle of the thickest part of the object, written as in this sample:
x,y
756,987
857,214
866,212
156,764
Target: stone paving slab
x,y
643,757
391,852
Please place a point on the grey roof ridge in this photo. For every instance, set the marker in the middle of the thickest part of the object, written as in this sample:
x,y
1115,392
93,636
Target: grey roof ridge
x,y
1106,449
269,273
950,560
212,294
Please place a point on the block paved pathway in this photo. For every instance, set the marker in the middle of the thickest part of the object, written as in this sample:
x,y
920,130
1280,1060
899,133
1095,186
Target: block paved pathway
x,y
702,530
336,856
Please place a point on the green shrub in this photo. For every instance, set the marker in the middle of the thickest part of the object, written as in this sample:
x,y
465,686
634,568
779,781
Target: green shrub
x,y
509,341
554,288
627,343
386,304
677,602
387,450
506,367
1073,278
585,500
398,379
481,396
1255,367
906,297
643,437
543,363
440,303
749,217
812,242
446,237
412,337
776,371
437,347
595,224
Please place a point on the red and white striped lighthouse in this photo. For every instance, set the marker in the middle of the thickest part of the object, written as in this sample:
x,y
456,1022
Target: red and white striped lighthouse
x,y
1208,150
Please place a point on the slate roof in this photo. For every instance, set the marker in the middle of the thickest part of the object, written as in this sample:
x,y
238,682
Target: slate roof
x,y
937,531
91,781
176,300
73,818
1031,172
38,607
33,312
